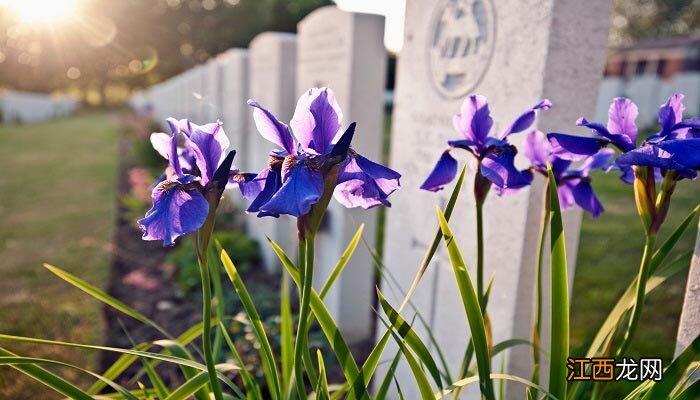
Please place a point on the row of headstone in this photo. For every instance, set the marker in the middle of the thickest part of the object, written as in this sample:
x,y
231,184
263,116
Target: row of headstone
x,y
24,107
514,52
341,50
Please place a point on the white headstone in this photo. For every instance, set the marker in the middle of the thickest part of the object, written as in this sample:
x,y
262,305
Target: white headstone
x,y
213,91
689,325
235,113
345,52
272,76
515,53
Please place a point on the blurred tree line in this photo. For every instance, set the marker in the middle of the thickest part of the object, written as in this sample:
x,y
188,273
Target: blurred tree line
x,y
120,44
116,45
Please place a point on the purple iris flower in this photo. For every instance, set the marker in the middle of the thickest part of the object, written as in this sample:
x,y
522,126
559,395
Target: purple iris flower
x,y
573,184
294,179
658,151
495,156
182,199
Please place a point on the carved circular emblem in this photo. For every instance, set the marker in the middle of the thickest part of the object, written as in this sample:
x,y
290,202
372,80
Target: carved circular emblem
x,y
460,45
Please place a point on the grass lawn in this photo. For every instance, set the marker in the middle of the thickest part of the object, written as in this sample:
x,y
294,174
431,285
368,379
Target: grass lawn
x,y
57,202
609,255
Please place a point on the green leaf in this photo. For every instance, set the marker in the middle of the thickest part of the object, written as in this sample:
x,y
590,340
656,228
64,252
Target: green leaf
x,y
411,337
119,366
251,387
105,298
471,307
322,386
47,378
386,382
436,239
559,337
8,360
190,387
335,273
149,355
468,381
692,392
623,305
268,358
177,349
286,333
157,383
421,380
329,328
672,240
675,372
507,344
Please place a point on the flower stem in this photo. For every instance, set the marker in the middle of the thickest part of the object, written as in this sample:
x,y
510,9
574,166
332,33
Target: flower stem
x,y
206,317
537,319
480,254
306,270
641,293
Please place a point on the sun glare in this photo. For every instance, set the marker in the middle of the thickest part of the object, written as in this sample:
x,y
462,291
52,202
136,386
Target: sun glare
x,y
40,11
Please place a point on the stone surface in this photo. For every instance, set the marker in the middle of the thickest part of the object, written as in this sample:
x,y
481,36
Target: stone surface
x,y
514,53
272,57
345,52
234,112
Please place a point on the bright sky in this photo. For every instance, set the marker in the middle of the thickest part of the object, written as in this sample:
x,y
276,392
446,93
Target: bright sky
x,y
394,10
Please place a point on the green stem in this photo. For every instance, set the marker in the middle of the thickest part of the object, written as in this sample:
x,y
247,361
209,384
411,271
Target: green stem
x,y
480,253
641,293
537,324
206,315
301,344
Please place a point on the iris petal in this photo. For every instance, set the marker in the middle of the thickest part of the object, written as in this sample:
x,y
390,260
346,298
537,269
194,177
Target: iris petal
x,y
177,210
208,143
273,182
622,115
574,148
299,192
316,120
671,113
271,128
364,183
537,148
444,172
586,198
499,168
679,155
526,119
474,120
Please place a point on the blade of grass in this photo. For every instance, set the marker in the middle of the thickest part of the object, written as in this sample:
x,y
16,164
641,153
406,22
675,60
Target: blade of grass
x,y
559,336
436,239
675,372
157,383
286,333
411,338
322,386
190,387
9,360
421,380
386,382
266,354
47,378
474,379
472,309
329,328
602,342
105,298
149,355
252,389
